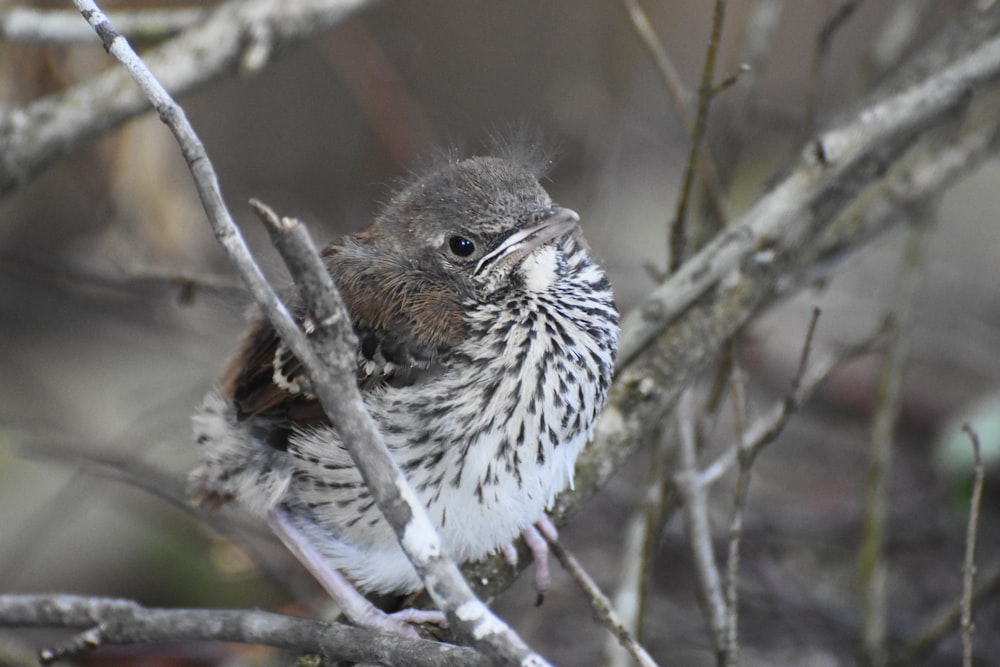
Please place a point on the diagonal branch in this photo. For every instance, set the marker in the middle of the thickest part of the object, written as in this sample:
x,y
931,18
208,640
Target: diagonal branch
x,y
823,211
329,361
833,169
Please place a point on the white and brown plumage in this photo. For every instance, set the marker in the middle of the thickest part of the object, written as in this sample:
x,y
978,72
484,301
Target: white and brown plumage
x,y
487,337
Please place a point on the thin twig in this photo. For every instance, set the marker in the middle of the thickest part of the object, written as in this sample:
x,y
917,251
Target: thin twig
x,y
740,412
943,624
969,566
600,603
680,98
237,36
746,454
640,543
679,95
678,228
872,557
791,212
329,360
766,429
695,509
821,49
731,80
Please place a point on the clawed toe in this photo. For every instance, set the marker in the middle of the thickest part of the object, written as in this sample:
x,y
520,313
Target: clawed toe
x,y
403,622
536,537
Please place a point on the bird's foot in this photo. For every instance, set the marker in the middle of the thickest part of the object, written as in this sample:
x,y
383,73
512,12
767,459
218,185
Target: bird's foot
x,y
355,606
537,537
401,622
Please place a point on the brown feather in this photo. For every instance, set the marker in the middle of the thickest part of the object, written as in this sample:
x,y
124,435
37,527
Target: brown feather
x,y
413,315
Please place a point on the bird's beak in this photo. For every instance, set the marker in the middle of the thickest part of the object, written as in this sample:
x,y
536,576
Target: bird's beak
x,y
553,223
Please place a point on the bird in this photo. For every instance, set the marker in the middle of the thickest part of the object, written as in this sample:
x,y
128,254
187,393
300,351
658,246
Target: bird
x,y
487,336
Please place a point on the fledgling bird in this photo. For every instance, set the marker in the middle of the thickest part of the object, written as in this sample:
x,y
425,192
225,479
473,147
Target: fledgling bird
x,y
487,339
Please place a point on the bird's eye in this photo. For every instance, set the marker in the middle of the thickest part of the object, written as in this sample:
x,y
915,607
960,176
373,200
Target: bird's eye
x,y
461,246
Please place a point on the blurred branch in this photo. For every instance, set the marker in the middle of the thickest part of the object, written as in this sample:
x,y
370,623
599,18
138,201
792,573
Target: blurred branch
x,y
678,231
897,34
720,601
237,36
601,605
694,492
834,168
659,500
824,39
107,621
251,534
731,639
944,622
329,359
969,566
680,97
41,26
872,558
841,194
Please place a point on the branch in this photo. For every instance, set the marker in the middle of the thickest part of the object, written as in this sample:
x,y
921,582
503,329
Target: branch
x,y
40,26
695,510
969,564
796,232
116,621
646,389
942,624
872,557
678,234
601,605
330,364
679,97
240,35
834,168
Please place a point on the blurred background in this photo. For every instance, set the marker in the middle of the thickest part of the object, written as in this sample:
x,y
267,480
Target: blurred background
x,y
117,308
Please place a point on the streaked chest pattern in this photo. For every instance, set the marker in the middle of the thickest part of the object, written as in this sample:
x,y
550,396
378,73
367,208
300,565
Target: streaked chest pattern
x,y
495,436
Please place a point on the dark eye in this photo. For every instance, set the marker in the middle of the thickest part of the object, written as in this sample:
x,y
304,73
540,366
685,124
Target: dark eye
x,y
461,246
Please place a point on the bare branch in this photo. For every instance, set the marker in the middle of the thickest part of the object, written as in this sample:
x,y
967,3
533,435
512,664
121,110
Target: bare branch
x,y
329,361
600,603
969,566
659,500
678,227
821,49
26,24
237,35
695,509
872,559
897,34
115,621
944,622
833,169
680,97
